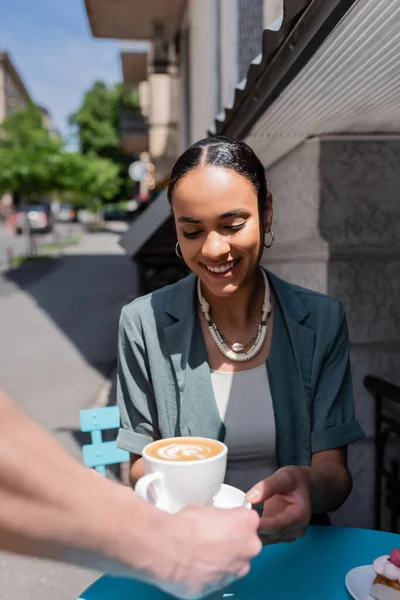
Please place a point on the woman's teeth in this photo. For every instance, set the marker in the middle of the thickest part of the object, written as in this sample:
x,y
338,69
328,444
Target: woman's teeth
x,y
222,268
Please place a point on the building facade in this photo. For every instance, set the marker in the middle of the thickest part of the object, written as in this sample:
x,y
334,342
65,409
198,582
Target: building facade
x,y
13,95
197,56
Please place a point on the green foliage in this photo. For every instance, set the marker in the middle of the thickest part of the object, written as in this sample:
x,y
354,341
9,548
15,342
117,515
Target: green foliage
x,y
97,126
88,178
33,162
97,120
29,156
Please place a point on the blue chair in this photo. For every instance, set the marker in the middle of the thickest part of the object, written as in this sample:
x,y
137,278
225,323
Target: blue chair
x,y
98,454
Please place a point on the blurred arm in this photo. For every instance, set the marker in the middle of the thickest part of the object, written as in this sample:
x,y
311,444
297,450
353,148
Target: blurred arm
x,y
60,510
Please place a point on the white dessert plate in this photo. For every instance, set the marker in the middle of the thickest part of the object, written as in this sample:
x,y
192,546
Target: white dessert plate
x,y
359,582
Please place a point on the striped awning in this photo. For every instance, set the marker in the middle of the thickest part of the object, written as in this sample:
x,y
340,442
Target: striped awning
x,y
351,86
304,26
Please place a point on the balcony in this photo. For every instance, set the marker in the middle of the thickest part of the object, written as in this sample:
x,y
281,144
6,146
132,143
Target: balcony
x,y
134,68
133,131
133,19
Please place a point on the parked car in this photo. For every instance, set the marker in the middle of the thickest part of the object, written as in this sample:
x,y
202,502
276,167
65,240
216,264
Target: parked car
x,y
66,213
37,216
115,214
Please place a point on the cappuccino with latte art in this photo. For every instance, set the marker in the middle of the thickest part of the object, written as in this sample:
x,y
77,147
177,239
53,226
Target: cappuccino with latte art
x,y
184,449
181,471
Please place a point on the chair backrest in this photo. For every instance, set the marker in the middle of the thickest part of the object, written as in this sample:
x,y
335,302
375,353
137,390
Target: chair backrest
x,y
387,440
98,454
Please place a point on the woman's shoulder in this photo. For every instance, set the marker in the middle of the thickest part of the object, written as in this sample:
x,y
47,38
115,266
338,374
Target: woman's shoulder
x,y
319,299
152,306
143,307
318,305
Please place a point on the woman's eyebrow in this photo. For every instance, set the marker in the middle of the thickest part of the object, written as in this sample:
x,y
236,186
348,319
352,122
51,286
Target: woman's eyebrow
x,y
235,212
188,220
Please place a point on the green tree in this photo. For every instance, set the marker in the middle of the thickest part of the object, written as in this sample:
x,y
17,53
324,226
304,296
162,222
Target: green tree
x,y
33,162
97,125
29,155
87,179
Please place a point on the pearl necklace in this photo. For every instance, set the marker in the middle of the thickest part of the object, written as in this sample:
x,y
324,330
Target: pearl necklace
x,y
236,354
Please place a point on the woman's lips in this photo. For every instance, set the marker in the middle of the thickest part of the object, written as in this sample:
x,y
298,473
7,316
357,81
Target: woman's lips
x,y
222,270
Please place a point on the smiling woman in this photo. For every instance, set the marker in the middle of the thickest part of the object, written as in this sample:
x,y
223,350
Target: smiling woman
x,y
236,354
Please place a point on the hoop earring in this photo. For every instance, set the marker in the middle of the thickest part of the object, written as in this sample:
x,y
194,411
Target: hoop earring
x,y
178,250
272,240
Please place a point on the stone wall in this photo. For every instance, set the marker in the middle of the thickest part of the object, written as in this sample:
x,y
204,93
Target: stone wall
x,y
337,228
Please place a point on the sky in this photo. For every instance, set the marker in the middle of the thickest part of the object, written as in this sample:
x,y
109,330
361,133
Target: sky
x,y
53,51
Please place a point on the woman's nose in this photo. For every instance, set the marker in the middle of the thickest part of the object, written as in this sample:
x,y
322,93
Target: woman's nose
x,y
215,246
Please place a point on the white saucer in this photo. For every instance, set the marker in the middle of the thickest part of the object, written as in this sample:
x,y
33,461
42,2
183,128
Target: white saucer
x,y
227,497
359,582
230,497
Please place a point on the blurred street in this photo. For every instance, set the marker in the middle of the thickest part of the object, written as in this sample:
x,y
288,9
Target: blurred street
x,y
14,243
58,323
18,245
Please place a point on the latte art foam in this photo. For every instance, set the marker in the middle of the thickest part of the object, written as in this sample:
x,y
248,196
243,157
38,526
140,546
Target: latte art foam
x,y
184,449
184,452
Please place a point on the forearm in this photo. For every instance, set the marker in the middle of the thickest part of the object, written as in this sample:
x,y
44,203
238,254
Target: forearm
x,y
54,508
330,485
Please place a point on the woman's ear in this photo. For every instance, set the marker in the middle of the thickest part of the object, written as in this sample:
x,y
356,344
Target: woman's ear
x,y
268,213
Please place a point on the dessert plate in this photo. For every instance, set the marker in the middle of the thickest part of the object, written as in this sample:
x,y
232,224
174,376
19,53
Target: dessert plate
x,y
359,582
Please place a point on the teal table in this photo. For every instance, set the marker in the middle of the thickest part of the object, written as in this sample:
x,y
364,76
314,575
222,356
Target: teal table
x,y
313,568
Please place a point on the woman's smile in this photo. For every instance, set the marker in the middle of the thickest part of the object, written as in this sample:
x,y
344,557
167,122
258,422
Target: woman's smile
x,y
221,270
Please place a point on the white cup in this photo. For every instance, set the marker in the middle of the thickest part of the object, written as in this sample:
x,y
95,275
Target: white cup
x,y
173,484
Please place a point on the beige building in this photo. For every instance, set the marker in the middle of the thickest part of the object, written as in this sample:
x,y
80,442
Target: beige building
x,y
191,70
314,87
13,95
47,122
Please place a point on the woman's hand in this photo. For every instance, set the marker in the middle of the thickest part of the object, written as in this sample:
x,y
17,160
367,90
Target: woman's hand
x,y
287,504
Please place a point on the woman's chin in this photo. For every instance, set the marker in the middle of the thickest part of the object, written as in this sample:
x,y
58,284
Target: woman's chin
x,y
220,288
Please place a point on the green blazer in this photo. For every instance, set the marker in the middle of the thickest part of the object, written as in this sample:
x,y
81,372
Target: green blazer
x,y
164,385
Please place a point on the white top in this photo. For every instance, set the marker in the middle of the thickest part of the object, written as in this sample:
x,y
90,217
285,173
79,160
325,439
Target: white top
x,y
245,405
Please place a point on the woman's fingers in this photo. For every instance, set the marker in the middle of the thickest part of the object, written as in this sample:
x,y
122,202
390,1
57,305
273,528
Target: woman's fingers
x,y
292,514
281,482
288,535
268,540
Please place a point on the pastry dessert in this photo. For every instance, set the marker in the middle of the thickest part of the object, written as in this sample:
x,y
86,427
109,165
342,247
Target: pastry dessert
x,y
386,585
